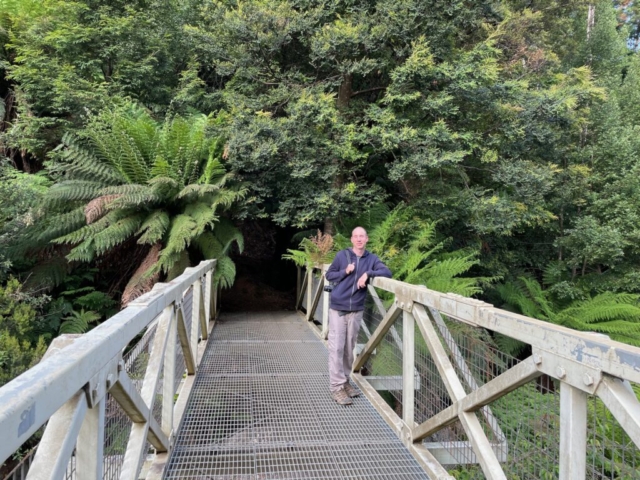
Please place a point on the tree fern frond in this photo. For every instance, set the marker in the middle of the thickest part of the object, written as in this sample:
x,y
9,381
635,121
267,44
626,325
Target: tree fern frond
x,y
225,273
203,214
84,166
89,231
299,257
509,345
227,197
198,190
62,224
72,190
209,245
144,196
79,322
227,233
452,267
154,227
182,232
84,252
214,170
117,233
47,275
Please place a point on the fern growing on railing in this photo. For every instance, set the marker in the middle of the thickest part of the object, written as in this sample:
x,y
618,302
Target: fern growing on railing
x,y
127,176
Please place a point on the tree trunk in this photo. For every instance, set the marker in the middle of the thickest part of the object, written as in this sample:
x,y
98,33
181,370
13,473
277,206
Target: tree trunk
x,y
345,92
591,19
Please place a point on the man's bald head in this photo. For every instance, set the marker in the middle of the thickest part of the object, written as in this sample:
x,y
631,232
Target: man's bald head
x,y
359,230
359,240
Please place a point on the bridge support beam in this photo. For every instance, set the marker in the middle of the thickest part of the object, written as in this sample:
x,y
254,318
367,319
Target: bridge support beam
x,y
573,432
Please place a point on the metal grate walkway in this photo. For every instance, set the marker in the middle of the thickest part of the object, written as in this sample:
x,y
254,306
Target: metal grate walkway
x,y
260,409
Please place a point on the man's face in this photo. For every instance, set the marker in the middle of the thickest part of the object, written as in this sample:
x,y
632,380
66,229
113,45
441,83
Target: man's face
x,y
359,238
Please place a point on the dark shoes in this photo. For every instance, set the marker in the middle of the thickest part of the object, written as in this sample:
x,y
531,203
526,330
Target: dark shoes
x,y
351,391
345,394
341,397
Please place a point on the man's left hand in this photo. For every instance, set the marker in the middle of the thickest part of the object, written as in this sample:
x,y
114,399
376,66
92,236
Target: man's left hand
x,y
362,281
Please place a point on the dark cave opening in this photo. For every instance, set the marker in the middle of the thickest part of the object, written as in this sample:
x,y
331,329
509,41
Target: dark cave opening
x,y
264,281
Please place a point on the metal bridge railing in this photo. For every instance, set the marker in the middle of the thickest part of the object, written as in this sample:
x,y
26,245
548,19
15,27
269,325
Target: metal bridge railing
x,y
107,410
464,409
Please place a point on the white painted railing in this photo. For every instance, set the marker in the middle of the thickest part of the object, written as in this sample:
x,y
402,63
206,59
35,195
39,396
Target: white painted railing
x,y
592,374
70,388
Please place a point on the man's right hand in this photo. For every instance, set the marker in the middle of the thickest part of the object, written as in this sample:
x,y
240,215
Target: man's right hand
x,y
350,268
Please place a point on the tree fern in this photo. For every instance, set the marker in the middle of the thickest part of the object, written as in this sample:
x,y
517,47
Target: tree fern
x,y
133,176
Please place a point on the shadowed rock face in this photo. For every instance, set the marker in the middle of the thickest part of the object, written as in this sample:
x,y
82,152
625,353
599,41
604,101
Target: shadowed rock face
x,y
264,282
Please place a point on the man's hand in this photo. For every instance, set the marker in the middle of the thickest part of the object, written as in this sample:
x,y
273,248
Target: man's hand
x,y
350,268
362,281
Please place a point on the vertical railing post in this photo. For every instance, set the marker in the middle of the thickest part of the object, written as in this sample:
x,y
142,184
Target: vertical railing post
x,y
325,315
209,297
90,446
573,432
298,281
408,368
309,291
169,376
195,317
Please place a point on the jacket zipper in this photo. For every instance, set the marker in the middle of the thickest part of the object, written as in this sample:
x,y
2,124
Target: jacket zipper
x,y
355,280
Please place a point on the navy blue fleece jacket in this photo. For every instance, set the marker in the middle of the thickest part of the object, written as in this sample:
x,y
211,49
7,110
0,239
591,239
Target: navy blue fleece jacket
x,y
346,295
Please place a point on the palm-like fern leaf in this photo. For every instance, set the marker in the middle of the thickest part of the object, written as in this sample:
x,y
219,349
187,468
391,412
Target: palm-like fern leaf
x,y
225,273
116,233
227,233
154,227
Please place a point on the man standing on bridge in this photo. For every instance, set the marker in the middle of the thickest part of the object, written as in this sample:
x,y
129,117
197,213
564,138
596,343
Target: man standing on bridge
x,y
349,272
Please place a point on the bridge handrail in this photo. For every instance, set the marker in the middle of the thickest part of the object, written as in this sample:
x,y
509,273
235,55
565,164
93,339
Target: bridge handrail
x,y
78,371
585,364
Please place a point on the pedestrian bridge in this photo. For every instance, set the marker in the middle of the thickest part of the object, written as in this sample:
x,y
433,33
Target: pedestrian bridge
x,y
172,388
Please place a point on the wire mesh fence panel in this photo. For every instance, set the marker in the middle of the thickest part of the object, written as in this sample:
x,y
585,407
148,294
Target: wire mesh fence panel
x,y
117,423
611,454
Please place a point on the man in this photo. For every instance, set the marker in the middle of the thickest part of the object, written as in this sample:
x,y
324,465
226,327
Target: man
x,y
350,272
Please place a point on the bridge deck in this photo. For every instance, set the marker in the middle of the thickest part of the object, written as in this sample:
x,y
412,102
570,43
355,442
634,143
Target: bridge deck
x,y
260,409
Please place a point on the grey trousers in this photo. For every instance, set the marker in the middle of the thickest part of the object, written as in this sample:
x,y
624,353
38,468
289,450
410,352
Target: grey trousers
x,y
343,334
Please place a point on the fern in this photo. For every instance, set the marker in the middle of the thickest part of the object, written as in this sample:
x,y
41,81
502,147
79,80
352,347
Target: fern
x,y
614,314
408,245
227,233
116,233
132,176
225,273
72,190
85,252
203,215
210,246
78,322
154,227
63,224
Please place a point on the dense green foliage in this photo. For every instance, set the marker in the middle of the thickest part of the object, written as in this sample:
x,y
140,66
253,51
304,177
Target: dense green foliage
x,y
20,345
